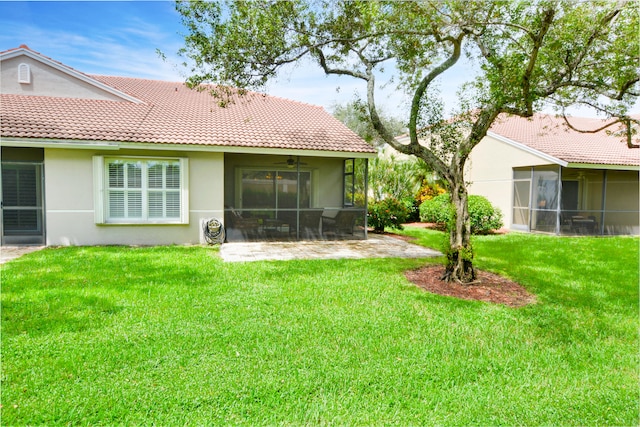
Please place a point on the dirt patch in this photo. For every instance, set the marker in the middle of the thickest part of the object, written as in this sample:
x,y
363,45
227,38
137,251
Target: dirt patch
x,y
489,287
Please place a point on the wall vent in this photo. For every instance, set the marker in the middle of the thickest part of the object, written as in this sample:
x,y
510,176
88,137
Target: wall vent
x,y
24,74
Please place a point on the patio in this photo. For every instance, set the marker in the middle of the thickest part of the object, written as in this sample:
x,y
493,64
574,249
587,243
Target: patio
x,y
376,246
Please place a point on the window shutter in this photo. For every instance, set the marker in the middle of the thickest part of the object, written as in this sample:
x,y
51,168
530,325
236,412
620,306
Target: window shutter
x,y
173,177
173,204
134,204
134,175
155,204
155,175
116,175
116,204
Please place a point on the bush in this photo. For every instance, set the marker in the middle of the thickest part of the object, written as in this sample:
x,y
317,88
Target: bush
x,y
389,212
428,191
413,209
483,215
436,210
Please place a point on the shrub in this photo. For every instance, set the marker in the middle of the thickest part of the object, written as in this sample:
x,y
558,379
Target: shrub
x,y
389,212
429,190
436,209
483,215
413,209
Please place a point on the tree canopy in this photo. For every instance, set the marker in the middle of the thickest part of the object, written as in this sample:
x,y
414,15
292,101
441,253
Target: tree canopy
x,y
526,55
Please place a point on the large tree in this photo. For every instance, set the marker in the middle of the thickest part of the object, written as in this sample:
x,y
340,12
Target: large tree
x,y
526,55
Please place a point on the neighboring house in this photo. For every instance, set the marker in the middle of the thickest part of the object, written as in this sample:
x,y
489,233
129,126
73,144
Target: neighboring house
x,y
92,160
545,177
548,178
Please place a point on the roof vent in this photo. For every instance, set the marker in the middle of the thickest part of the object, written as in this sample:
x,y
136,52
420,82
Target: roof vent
x,y
24,74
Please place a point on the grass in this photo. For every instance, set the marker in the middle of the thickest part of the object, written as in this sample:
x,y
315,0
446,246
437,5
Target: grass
x,y
173,336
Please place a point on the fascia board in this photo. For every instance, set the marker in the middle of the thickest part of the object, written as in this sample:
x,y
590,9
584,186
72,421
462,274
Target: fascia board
x,y
69,71
117,145
247,150
602,166
58,143
404,139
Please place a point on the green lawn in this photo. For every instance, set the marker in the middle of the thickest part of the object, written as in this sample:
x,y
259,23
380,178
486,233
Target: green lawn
x,y
173,336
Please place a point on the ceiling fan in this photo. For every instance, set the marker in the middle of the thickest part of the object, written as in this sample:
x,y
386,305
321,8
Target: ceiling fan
x,y
291,163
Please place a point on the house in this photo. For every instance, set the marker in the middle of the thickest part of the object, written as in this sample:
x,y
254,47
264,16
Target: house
x,y
546,177
94,160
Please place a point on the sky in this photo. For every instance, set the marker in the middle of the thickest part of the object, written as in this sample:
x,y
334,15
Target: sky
x,y
121,38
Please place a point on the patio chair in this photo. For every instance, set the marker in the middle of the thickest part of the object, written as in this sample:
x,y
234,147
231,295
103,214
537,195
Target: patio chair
x,y
341,224
310,223
247,227
582,225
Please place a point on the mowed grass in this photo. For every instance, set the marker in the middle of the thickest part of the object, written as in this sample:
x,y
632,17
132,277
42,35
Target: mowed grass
x,y
174,336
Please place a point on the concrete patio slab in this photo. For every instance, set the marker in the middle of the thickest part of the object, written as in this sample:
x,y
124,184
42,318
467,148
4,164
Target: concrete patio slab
x,y
7,253
376,246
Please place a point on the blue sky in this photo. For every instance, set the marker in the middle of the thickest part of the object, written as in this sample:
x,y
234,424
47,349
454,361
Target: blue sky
x,y
121,37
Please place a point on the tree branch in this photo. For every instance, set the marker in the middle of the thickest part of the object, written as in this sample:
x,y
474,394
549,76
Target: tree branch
x,y
426,81
533,57
323,63
625,120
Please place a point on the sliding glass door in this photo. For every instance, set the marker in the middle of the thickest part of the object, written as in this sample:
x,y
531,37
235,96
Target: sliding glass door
x,y
275,190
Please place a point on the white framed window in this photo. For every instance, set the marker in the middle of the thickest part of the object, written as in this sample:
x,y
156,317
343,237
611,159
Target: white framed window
x,y
136,190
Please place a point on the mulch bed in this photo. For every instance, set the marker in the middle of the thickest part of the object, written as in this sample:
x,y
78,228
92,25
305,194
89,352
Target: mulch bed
x,y
488,287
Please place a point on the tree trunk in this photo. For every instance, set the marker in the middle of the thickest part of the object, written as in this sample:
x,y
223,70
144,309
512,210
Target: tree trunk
x,y
460,253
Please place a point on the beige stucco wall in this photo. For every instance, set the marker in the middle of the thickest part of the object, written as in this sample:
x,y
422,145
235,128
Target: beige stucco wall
x,y
47,81
69,199
490,172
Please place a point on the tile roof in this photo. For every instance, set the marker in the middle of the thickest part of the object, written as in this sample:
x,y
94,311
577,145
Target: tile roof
x,y
171,113
550,135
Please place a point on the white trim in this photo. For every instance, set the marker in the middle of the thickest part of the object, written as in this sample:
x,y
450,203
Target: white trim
x,y
184,190
62,143
160,146
67,211
246,150
527,149
98,189
69,71
100,183
601,166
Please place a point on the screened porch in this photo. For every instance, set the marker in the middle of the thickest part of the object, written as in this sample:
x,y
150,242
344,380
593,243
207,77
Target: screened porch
x,y
270,197
571,201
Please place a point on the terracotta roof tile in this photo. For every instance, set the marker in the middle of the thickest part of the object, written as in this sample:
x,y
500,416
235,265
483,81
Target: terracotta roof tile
x,y
172,113
549,134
